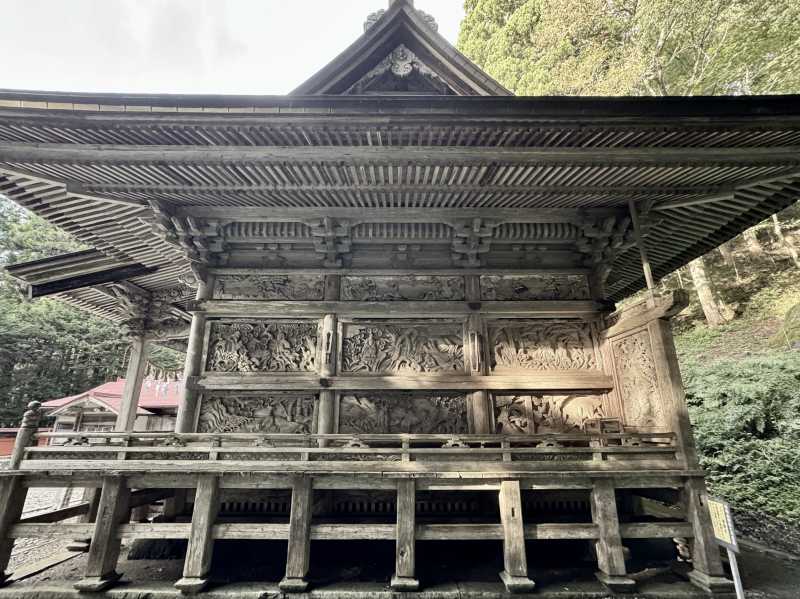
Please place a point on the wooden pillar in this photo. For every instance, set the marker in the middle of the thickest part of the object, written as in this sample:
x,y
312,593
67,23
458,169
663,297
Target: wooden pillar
x,y
201,540
12,491
479,402
134,376
189,408
637,232
610,556
326,360
515,560
92,497
104,549
707,571
298,552
403,579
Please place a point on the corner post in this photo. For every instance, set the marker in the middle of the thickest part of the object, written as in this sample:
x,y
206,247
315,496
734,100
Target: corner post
x,y
298,551
403,579
610,556
515,560
12,491
707,571
188,410
105,546
201,539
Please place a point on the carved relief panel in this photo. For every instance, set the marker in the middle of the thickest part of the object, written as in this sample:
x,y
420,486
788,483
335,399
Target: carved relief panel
x,y
397,412
401,348
264,413
262,346
637,381
541,345
534,287
529,414
270,287
396,288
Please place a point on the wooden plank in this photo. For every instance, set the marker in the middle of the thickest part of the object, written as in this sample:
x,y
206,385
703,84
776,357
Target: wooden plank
x,y
299,536
12,501
87,280
201,541
396,309
138,154
539,380
655,530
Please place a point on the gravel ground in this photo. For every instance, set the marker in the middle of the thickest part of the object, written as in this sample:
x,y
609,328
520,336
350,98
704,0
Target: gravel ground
x,y
31,550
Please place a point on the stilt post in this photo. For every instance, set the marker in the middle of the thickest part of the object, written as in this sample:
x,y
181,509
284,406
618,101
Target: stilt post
x,y
201,540
515,560
404,579
298,552
707,571
610,556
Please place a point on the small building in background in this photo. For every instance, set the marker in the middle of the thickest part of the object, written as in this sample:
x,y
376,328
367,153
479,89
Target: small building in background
x,y
96,410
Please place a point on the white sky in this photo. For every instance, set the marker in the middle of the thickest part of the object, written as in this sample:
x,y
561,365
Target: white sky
x,y
183,46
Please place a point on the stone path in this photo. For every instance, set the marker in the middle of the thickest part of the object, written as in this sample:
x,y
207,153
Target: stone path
x,y
29,550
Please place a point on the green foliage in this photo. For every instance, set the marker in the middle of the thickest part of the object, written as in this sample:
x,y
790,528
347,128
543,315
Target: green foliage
x,y
636,47
746,414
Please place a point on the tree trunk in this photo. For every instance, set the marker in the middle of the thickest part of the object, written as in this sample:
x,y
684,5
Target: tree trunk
x,y
715,310
727,253
785,241
753,244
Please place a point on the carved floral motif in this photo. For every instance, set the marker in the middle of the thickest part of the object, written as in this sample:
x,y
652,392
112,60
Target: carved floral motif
x,y
638,381
420,288
397,349
287,413
403,413
534,287
267,346
528,414
270,287
542,345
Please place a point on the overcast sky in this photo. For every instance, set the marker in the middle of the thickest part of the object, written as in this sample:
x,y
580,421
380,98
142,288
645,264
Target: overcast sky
x,y
183,46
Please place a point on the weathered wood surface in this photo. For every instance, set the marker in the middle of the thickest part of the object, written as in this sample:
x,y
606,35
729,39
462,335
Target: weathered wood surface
x,y
405,550
201,541
297,560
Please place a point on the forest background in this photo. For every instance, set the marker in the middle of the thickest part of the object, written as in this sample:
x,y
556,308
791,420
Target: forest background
x,y
739,340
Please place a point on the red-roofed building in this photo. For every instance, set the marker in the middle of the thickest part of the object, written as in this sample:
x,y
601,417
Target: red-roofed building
x,y
97,408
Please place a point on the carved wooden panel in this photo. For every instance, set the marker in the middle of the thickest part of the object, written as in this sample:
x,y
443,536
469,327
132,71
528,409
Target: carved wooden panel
x,y
267,413
403,413
541,345
395,288
638,381
534,287
262,346
529,414
378,348
270,287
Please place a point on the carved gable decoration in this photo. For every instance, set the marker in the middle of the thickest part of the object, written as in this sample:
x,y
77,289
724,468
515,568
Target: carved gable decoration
x,y
403,413
541,345
530,414
396,288
534,287
638,381
376,348
284,413
401,72
264,346
270,287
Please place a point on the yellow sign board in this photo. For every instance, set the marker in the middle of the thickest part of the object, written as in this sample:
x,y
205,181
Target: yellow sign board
x,y
722,523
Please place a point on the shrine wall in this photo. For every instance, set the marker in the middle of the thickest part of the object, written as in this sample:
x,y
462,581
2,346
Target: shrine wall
x,y
434,353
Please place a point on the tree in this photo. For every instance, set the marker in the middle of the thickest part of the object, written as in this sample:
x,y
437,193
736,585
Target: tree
x,y
716,311
638,47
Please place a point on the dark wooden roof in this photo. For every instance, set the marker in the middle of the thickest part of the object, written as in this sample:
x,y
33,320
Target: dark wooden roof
x,y
509,174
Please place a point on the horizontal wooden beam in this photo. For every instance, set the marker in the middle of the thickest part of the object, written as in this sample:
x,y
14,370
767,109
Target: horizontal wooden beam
x,y
565,380
397,309
89,280
142,154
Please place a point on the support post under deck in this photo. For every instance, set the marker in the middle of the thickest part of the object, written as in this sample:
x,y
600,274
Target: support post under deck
x,y
610,556
104,549
515,560
201,541
707,572
298,552
403,579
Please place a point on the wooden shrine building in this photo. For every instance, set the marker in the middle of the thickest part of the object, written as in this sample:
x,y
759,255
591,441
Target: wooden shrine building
x,y
395,288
